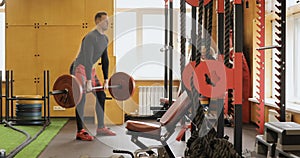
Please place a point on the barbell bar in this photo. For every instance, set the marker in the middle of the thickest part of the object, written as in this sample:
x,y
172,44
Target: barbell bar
x,y
67,90
101,87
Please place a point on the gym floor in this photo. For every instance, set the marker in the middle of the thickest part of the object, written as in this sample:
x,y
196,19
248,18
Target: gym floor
x,y
65,145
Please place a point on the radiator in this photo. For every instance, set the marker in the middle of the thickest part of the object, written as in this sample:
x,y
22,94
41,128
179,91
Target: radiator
x,y
149,96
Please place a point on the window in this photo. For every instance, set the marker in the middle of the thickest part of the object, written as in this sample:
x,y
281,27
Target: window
x,y
297,59
2,41
125,34
270,4
139,37
292,60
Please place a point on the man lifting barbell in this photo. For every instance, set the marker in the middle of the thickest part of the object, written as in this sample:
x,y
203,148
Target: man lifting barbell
x,y
70,90
93,47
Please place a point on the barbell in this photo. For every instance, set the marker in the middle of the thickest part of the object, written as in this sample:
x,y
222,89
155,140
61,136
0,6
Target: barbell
x,y
68,91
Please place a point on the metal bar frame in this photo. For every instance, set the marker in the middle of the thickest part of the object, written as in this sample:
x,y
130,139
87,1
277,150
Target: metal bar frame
x,y
9,98
45,95
136,141
238,80
6,95
182,48
283,59
193,34
267,47
11,94
220,42
166,48
171,52
48,95
261,69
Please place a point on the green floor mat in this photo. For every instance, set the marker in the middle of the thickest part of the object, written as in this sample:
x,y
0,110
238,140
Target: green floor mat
x,y
10,139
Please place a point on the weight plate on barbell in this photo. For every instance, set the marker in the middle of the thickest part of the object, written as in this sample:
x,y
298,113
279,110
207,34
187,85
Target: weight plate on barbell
x,y
194,3
211,79
126,89
73,86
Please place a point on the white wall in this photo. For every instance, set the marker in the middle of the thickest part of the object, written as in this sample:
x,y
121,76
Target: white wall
x,y
2,43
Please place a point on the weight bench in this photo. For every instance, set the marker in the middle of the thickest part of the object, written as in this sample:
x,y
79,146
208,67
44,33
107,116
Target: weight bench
x,y
154,131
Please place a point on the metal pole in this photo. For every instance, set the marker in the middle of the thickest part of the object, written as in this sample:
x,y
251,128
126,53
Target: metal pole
x,y
238,84
6,95
283,59
221,28
193,33
182,49
48,95
220,12
166,48
11,94
171,54
45,95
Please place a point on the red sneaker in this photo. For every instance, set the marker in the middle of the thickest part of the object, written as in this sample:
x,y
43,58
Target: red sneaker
x,y
105,132
83,135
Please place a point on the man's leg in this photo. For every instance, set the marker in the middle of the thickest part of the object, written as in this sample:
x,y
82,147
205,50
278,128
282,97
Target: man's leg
x,y
100,104
82,134
79,113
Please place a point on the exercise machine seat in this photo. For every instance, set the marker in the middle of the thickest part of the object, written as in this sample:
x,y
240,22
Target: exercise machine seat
x,y
170,118
137,126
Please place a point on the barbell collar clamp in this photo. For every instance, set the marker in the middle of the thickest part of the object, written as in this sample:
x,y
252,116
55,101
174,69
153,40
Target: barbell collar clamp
x,y
56,92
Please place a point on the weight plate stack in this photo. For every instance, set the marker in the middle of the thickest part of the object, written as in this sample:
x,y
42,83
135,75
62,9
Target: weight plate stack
x,y
29,111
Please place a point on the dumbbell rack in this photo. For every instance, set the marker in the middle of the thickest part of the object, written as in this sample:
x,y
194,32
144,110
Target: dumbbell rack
x,y
280,139
10,98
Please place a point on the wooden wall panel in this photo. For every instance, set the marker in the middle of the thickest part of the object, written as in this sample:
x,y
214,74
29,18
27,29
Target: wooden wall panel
x,y
114,113
65,12
94,6
21,57
26,12
45,12
56,40
58,47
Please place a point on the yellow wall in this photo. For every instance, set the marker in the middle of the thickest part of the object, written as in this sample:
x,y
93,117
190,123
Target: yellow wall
x,y
46,35
3,100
